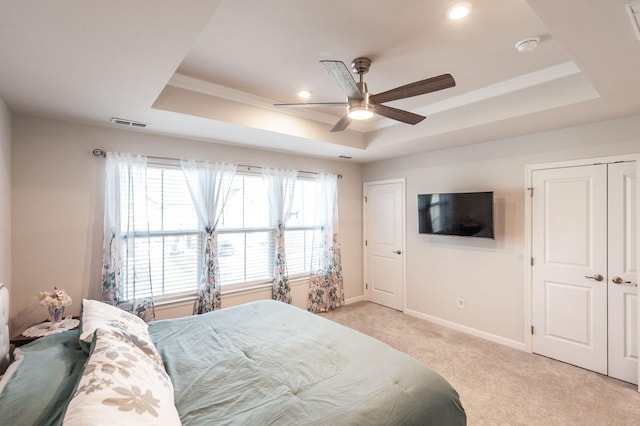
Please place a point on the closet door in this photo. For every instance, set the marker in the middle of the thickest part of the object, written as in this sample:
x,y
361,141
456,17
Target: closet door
x,y
569,272
623,273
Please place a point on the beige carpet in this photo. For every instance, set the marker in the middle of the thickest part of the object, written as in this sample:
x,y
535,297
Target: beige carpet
x,y
499,385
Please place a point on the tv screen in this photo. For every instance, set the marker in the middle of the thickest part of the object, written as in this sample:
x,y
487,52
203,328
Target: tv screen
x,y
468,214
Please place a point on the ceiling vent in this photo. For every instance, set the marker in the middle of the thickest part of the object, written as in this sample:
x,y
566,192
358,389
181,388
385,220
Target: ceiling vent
x,y
634,13
123,122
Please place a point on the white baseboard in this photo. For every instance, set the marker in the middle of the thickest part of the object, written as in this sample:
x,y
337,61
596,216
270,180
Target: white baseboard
x,y
353,300
472,331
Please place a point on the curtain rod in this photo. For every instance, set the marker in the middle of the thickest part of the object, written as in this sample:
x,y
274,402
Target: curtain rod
x,y
102,153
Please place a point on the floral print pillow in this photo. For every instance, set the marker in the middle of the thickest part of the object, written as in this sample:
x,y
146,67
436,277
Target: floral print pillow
x,y
121,385
99,315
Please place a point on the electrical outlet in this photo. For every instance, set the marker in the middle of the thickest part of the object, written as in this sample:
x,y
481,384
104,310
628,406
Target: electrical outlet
x,y
460,303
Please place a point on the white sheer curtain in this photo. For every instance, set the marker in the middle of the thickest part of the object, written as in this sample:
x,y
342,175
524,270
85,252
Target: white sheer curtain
x,y
280,186
326,289
209,185
126,266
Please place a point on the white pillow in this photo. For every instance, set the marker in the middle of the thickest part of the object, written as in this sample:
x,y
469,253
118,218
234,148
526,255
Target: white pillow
x,y
121,385
99,315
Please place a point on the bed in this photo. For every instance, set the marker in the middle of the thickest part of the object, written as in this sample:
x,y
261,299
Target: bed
x,y
259,363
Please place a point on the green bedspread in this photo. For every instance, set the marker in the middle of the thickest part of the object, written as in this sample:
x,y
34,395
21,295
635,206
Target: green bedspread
x,y
271,363
38,391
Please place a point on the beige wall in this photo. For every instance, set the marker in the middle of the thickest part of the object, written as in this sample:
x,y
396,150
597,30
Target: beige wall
x,y
489,275
57,203
5,195
58,206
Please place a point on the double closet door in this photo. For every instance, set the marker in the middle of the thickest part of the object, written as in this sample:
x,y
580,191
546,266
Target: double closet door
x,y
584,272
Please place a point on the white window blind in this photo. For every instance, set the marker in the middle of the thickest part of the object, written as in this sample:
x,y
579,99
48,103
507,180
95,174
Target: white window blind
x,y
245,240
301,227
172,240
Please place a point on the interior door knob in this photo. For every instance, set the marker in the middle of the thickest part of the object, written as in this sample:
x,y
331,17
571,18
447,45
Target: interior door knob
x,y
596,277
397,252
619,280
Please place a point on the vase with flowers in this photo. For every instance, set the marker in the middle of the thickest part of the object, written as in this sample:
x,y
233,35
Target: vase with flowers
x,y
55,301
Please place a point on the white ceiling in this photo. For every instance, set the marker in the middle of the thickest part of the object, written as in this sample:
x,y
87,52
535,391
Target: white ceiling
x,y
211,70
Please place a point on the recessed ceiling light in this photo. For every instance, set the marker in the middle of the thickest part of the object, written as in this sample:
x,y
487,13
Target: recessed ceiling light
x,y
304,94
459,10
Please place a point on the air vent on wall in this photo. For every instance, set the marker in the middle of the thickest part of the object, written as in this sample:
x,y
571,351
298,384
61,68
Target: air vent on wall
x,y
634,13
123,122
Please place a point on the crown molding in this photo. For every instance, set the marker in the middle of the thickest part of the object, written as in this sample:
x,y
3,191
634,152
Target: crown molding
x,y
186,82
502,88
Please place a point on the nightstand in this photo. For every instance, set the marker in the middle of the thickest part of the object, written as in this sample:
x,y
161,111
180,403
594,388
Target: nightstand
x,y
20,340
42,329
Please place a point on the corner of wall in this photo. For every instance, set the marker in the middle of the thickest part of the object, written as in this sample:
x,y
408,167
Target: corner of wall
x,y
5,194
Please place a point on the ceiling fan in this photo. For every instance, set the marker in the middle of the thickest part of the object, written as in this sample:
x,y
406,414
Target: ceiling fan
x,y
362,105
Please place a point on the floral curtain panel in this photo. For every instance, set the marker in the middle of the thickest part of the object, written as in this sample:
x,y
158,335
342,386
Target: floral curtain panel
x,y
126,236
209,185
280,186
326,288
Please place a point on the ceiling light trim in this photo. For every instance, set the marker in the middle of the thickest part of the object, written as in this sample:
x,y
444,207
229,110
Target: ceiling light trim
x,y
522,82
516,84
186,82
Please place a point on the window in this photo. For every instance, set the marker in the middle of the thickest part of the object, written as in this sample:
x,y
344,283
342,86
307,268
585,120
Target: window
x,y
301,228
244,233
245,240
174,243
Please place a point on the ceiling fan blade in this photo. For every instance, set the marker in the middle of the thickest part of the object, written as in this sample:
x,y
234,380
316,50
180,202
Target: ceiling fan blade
x,y
399,114
344,78
312,104
421,87
341,124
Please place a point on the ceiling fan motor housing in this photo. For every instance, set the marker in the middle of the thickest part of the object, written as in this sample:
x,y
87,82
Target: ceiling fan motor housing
x,y
360,65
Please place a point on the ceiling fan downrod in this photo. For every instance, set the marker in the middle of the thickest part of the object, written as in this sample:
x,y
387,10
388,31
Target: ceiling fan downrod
x,y
360,66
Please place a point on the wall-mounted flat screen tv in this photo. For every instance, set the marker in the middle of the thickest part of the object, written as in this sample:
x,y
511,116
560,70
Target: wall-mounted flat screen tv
x,y
468,214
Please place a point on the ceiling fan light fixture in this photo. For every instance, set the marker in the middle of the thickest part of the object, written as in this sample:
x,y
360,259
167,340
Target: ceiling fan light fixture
x,y
459,11
304,94
362,112
361,105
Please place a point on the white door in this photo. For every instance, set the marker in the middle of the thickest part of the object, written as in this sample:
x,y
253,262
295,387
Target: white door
x,y
569,247
623,273
384,243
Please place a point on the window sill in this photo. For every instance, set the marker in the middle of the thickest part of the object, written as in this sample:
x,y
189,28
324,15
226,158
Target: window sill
x,y
246,288
174,299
